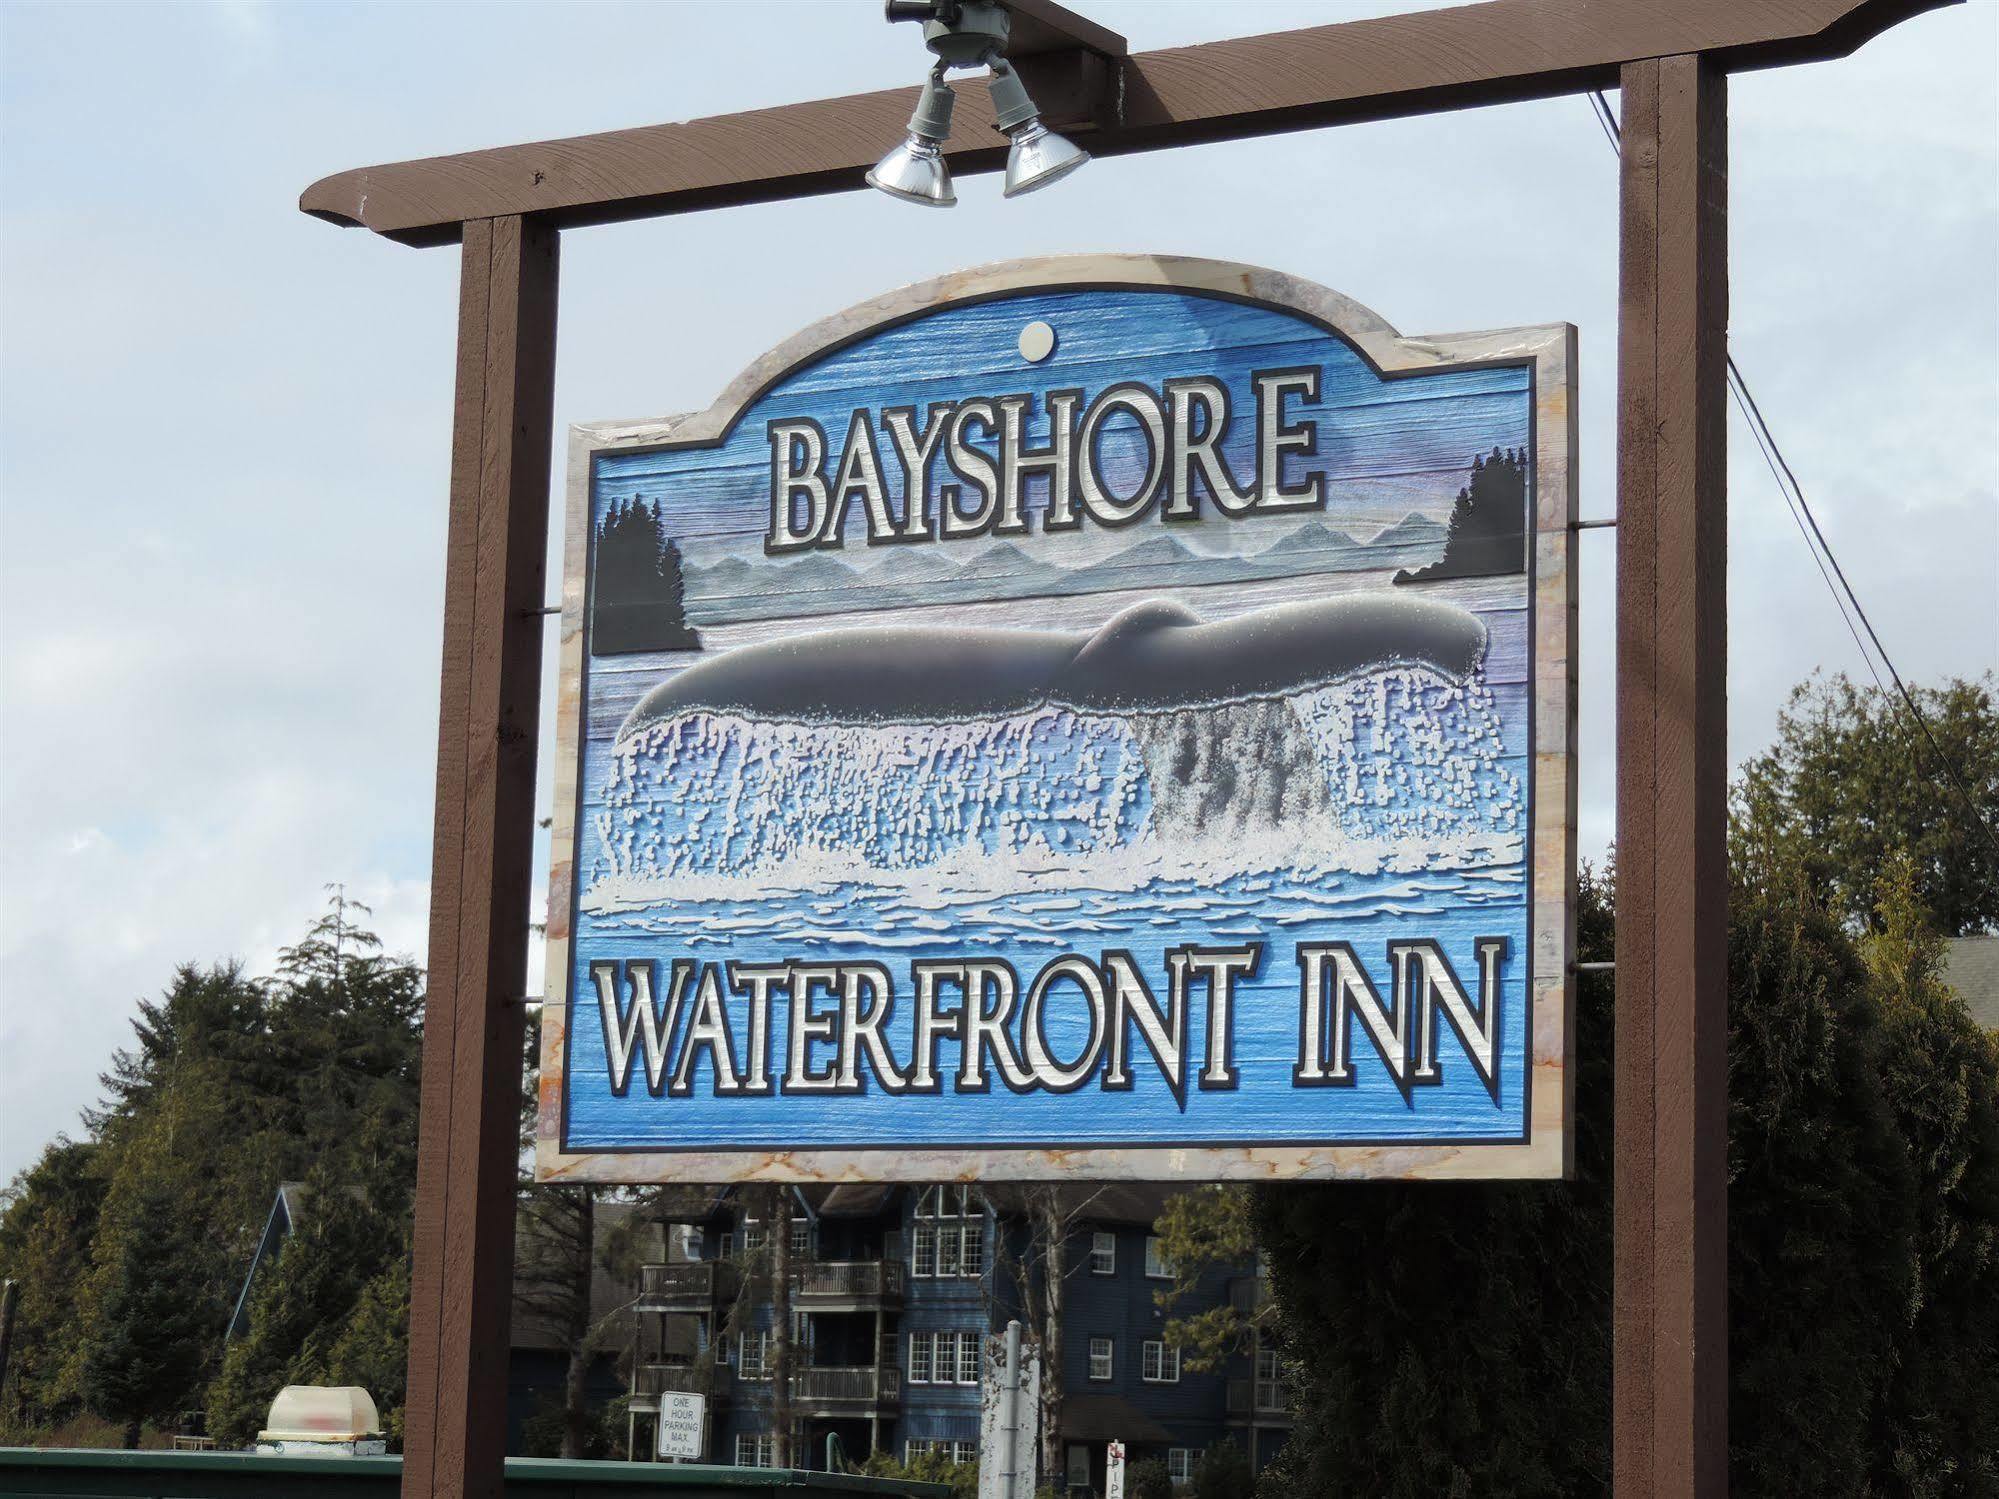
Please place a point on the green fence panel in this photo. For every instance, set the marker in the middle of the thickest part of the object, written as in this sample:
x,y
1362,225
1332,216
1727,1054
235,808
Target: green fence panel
x,y
71,1474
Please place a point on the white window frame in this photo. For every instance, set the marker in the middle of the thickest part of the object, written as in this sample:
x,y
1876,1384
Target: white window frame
x,y
759,1367
801,1238
921,1373
1270,1377
1109,1346
950,1251
972,1257
1103,1253
968,1358
762,1449
1157,1265
964,1452
923,1250
1157,1363
1180,1465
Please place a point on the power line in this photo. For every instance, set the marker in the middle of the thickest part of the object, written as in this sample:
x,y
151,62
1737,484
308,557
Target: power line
x,y
1843,594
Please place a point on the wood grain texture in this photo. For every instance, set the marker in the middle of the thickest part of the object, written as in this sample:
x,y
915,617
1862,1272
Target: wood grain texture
x,y
1671,1359
462,1271
1494,53
1550,352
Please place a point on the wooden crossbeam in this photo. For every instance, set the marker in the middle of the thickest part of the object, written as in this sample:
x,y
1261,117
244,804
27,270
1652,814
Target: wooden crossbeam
x,y
1499,52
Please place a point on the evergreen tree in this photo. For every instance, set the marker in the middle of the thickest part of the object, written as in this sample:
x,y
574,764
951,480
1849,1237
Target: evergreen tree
x,y
1201,1232
1851,785
1453,1338
145,1351
300,1306
48,1218
1940,1069
372,1348
230,1087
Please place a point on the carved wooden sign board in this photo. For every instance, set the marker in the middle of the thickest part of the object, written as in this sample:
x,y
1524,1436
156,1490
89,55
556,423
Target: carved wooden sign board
x,y
1098,717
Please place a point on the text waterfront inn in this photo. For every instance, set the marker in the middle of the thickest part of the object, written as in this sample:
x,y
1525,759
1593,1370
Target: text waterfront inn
x,y
842,1034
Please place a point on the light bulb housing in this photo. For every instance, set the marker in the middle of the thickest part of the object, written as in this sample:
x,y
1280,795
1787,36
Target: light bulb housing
x,y
915,171
1039,157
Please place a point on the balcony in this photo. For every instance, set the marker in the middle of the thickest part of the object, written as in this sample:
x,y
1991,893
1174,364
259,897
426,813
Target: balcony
x,y
712,1380
1249,1294
1270,1404
834,1391
847,1285
686,1288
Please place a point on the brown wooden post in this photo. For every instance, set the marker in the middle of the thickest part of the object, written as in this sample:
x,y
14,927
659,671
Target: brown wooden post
x,y
488,718
1670,1370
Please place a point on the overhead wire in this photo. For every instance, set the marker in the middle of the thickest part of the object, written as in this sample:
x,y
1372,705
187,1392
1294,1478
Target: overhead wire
x,y
1843,594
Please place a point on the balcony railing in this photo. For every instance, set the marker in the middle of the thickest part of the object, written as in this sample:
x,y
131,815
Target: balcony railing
x,y
1269,1395
839,1386
848,1280
1249,1294
692,1285
682,1379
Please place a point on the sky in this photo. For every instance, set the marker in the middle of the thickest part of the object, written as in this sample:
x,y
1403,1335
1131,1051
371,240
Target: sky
x,y
225,427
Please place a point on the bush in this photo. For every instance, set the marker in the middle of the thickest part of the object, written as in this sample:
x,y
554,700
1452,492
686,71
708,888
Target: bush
x,y
1223,1473
1148,1480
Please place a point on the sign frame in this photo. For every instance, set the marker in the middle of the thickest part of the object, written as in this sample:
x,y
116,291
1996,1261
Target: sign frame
x,y
1549,352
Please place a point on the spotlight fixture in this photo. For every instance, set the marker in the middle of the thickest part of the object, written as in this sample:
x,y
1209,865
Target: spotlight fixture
x,y
969,34
914,171
1038,156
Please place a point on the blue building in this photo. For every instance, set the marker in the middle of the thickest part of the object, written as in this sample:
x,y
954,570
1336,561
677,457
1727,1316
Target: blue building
x,y
892,1291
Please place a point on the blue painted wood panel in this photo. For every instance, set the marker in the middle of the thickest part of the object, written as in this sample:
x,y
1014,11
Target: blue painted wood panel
x,y
1381,803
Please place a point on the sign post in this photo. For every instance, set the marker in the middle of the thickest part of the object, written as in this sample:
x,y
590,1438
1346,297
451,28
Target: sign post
x,y
1114,1471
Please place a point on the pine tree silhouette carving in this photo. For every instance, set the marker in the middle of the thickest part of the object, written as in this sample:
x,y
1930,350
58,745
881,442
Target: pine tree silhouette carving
x,y
1488,533
637,595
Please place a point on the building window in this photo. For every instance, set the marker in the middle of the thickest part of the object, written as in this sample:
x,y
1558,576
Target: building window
x,y
754,1237
753,1451
1079,1467
964,1452
1157,1265
1100,1358
753,1354
1158,1364
944,1358
1180,1464
1103,1254
801,1239
948,1235
1269,1381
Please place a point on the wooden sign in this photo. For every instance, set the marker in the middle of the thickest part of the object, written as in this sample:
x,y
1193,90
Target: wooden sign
x,y
1100,716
